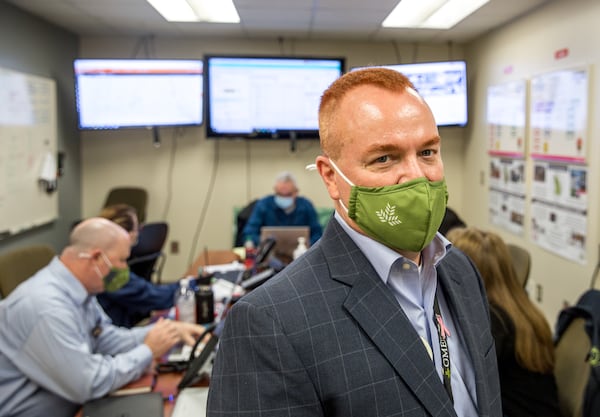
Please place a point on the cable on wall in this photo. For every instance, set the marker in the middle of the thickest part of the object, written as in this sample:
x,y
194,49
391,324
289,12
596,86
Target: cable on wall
x,y
207,199
397,51
176,133
146,43
415,52
248,171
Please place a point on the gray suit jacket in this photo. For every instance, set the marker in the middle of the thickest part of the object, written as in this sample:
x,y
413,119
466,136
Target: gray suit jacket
x,y
326,337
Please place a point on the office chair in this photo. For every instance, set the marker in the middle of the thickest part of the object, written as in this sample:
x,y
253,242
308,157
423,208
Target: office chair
x,y
18,265
241,219
134,196
147,256
521,260
571,368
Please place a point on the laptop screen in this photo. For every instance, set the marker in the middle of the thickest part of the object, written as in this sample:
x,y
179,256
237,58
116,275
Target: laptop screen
x,y
286,239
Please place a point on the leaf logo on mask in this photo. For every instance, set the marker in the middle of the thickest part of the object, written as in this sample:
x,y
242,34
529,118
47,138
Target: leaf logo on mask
x,y
388,215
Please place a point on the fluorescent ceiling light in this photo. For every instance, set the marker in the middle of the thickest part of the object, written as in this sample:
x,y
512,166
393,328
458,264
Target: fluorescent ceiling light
x,y
217,11
431,14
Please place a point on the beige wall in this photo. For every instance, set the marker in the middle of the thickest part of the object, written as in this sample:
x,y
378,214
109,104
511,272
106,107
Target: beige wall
x,y
242,170
528,46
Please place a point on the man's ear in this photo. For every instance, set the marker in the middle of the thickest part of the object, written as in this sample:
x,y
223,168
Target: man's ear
x,y
328,175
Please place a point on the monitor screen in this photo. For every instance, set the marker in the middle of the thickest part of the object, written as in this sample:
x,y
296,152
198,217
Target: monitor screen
x,y
117,93
266,97
443,85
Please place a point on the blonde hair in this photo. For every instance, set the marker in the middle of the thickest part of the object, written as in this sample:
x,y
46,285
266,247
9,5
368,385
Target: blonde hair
x,y
534,348
384,78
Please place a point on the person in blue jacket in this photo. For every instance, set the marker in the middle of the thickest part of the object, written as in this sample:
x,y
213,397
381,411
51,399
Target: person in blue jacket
x,y
283,208
139,297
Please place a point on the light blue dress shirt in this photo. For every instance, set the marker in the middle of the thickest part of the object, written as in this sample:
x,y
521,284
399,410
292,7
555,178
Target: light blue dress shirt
x,y
414,287
58,348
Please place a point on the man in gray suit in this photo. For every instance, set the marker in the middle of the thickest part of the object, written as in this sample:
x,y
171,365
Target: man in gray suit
x,y
381,317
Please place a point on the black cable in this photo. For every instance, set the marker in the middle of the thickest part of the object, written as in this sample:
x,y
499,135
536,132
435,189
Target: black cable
x,y
207,199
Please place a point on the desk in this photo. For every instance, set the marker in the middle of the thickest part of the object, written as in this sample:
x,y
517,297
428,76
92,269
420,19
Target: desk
x,y
212,257
166,384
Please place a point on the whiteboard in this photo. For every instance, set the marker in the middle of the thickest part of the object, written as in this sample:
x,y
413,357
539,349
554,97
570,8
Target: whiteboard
x,y
27,139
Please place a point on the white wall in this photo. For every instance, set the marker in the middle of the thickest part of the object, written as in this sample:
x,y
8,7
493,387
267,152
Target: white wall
x,y
243,170
528,46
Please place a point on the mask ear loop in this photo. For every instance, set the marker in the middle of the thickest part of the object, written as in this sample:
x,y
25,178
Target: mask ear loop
x,y
341,173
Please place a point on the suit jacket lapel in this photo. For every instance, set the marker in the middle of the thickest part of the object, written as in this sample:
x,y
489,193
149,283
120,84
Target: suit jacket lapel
x,y
458,301
377,312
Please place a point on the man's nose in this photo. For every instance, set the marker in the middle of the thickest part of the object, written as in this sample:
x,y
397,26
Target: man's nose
x,y
410,169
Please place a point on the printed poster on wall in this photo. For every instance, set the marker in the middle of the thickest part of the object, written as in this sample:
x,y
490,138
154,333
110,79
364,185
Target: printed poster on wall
x,y
506,115
559,209
507,193
559,115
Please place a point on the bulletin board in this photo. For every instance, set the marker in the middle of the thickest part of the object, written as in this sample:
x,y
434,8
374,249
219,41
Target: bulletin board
x,y
28,142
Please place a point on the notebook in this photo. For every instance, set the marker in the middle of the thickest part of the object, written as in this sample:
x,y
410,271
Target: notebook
x,y
137,405
286,239
191,402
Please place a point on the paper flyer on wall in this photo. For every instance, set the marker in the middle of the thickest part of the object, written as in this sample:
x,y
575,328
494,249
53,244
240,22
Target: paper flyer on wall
x,y
507,211
507,194
559,229
559,208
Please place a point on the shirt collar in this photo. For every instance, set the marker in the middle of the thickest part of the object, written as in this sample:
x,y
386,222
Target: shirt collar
x,y
72,286
382,257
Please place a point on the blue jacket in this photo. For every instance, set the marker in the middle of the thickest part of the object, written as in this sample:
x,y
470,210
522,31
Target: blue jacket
x,y
136,300
267,213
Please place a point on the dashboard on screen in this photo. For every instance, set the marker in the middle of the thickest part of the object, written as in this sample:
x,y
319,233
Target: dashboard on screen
x,y
443,85
119,93
266,97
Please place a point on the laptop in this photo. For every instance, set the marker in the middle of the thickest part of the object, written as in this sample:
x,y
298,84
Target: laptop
x,y
286,239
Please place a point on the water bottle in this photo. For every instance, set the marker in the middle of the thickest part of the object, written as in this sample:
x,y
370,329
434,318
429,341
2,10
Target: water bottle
x,y
205,299
301,248
185,302
250,257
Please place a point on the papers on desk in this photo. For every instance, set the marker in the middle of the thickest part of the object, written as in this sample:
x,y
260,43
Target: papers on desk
x,y
191,402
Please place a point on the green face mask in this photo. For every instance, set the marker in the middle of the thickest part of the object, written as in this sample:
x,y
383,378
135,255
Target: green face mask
x,y
116,278
402,216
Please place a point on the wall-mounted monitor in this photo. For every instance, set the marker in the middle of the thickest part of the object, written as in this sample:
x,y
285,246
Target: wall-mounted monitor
x,y
266,97
443,85
119,93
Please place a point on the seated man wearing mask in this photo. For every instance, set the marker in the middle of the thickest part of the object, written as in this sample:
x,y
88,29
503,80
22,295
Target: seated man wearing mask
x,y
58,349
284,208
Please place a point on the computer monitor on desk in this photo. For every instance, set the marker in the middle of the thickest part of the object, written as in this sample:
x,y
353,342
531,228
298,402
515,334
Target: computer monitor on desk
x,y
286,239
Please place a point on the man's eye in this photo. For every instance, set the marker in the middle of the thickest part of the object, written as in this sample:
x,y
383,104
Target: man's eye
x,y
382,159
427,152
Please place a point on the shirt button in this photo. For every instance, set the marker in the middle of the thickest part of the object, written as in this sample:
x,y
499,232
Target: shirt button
x,y
406,266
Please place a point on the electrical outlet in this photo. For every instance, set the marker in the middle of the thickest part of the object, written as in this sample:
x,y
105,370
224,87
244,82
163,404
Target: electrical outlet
x,y
174,247
538,293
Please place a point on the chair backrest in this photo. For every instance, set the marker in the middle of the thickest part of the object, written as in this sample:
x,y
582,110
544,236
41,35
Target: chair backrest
x,y
241,218
521,261
134,196
18,265
147,256
571,368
